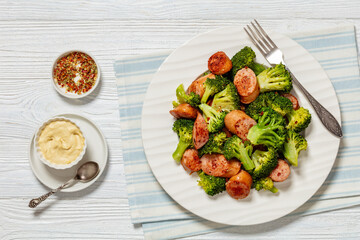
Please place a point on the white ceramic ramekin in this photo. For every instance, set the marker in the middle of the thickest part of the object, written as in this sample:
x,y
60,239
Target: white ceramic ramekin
x,y
41,156
62,90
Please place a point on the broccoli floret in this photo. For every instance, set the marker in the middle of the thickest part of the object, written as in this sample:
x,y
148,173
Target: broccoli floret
x,y
193,99
298,119
214,144
213,86
235,148
294,143
265,162
273,100
244,57
275,79
214,118
269,131
257,67
281,105
227,100
184,129
211,185
266,184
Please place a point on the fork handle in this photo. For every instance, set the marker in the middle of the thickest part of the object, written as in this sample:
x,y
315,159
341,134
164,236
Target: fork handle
x,y
325,116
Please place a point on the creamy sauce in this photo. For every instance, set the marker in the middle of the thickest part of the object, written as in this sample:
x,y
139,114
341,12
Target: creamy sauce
x,y
61,142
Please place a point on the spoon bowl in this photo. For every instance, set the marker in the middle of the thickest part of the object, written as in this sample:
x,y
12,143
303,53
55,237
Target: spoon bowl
x,y
87,172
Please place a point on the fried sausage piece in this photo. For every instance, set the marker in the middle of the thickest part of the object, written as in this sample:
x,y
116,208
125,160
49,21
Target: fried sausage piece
x,y
191,161
214,164
239,123
247,85
200,132
197,86
239,186
234,168
219,63
293,100
281,172
184,110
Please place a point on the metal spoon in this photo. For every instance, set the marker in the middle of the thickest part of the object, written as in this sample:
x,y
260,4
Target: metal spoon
x,y
85,173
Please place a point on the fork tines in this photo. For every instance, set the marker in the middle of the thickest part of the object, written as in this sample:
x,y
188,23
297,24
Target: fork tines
x,y
260,38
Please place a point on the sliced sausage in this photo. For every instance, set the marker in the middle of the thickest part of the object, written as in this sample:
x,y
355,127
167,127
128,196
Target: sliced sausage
x,y
197,86
184,110
281,172
214,164
191,161
234,168
200,132
247,85
293,99
239,186
219,63
239,123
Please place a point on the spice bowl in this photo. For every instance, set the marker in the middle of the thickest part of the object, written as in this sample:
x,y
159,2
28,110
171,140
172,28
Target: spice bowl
x,y
75,74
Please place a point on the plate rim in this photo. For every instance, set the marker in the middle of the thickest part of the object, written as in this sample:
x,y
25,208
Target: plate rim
x,y
70,189
337,110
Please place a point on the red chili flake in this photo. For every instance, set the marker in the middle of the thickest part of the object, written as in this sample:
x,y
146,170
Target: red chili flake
x,y
262,113
76,65
295,122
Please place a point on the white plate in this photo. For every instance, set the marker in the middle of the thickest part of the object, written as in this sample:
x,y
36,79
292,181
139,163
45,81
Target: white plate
x,y
96,151
182,66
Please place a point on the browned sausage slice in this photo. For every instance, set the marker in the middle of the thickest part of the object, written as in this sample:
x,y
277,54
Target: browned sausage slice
x,y
293,100
219,63
200,132
184,110
247,85
281,172
191,161
214,164
197,86
234,168
239,186
239,123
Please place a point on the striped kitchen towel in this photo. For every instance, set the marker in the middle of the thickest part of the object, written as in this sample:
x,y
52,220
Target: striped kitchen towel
x,y
334,48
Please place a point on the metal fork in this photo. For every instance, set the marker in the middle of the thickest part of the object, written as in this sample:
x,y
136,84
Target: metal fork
x,y
275,56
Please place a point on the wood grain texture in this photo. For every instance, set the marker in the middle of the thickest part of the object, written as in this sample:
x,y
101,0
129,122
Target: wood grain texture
x,y
33,33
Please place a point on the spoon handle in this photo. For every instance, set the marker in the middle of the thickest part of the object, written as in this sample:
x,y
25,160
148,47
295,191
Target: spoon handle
x,y
36,201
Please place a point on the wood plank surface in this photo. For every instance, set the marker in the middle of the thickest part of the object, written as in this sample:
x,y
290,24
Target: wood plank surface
x,y
34,33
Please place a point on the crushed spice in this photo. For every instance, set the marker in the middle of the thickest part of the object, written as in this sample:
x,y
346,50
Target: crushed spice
x,y
77,72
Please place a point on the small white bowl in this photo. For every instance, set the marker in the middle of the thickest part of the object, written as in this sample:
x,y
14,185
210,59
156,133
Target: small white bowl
x,y
62,90
41,156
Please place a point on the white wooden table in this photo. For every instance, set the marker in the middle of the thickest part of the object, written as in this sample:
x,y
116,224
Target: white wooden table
x,y
33,33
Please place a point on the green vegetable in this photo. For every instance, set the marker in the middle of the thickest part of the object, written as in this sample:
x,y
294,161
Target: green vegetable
x,y
269,131
227,100
211,185
213,86
241,59
184,129
275,79
281,105
294,143
273,100
265,162
298,119
257,67
214,144
193,99
266,184
214,118
235,148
